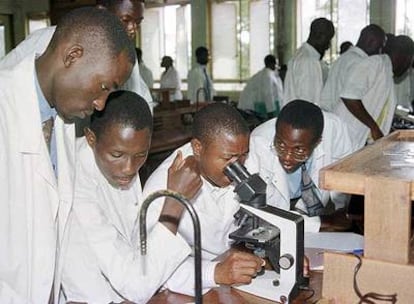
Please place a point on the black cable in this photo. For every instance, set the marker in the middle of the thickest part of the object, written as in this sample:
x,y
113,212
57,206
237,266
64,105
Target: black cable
x,y
311,290
368,297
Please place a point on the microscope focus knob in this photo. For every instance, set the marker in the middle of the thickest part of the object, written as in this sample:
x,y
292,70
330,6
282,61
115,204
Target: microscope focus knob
x,y
286,261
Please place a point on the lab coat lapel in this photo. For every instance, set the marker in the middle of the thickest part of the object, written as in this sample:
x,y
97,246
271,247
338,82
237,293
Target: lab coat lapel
x,y
276,178
28,121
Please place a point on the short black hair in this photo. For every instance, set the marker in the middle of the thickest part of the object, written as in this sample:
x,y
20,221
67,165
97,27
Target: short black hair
x,y
302,114
217,119
269,60
97,30
321,26
401,44
200,51
112,3
125,108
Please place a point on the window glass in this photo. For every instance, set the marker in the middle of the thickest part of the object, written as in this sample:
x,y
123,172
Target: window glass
x,y
2,41
404,18
348,17
166,31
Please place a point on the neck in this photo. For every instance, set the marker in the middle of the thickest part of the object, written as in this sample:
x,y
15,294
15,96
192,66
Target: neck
x,y
44,77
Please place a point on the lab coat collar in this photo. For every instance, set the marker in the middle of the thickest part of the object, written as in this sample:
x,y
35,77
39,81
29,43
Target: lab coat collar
x,y
312,51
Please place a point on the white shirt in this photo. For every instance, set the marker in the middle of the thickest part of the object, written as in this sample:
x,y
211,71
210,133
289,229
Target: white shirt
x,y
103,263
304,78
215,207
335,144
146,75
39,40
371,81
338,74
171,79
34,204
265,87
196,81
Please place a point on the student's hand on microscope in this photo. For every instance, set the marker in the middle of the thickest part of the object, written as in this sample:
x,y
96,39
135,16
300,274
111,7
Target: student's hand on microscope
x,y
238,268
183,177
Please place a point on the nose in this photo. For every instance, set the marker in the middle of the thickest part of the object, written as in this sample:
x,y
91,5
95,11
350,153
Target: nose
x,y
130,167
99,104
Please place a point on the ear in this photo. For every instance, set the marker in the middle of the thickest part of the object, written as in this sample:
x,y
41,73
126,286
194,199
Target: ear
x,y
197,148
90,137
72,54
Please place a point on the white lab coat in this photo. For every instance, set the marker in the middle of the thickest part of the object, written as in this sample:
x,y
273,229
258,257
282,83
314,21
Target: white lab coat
x,y
34,205
304,77
265,87
197,80
335,145
215,208
103,263
38,41
404,89
171,79
338,74
371,81
146,75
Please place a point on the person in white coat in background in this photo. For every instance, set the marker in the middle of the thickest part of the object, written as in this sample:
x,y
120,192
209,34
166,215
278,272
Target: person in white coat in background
x,y
200,85
37,188
368,96
371,41
103,263
170,79
301,137
305,73
144,71
131,14
263,92
220,137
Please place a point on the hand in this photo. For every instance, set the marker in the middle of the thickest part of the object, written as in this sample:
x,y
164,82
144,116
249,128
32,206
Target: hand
x,y
237,268
376,133
184,176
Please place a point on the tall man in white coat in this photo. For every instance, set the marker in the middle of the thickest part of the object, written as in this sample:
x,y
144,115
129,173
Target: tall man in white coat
x,y
371,41
305,78
131,14
36,188
200,85
301,138
368,96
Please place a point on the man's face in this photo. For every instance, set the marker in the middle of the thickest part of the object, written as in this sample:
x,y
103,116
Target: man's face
x,y
131,13
293,146
119,153
203,58
213,157
83,85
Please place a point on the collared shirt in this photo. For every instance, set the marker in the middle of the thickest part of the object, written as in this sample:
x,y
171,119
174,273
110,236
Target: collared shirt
x,y
47,112
294,180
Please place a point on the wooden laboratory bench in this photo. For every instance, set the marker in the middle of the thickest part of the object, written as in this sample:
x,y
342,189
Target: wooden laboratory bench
x,y
228,295
376,171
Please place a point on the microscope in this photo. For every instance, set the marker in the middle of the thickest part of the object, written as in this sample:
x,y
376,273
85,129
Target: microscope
x,y
269,232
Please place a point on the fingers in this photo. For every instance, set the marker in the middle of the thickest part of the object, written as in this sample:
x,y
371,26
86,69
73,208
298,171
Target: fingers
x,y
177,163
238,268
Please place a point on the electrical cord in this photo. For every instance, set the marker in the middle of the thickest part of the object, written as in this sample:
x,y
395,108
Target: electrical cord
x,y
307,289
370,296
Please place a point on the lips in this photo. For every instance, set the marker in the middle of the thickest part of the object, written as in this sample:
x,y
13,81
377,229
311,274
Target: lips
x,y
124,181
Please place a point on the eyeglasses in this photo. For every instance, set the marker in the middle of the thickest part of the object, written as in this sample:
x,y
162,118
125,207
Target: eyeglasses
x,y
298,154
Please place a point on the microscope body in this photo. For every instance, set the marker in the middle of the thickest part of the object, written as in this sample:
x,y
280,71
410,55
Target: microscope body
x,y
270,232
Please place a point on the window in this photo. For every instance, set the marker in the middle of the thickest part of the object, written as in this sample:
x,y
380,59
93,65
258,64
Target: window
x,y
242,35
2,41
167,31
404,18
37,21
348,17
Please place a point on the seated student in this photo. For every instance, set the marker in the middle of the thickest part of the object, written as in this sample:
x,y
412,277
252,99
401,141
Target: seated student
x,y
103,263
288,152
220,137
